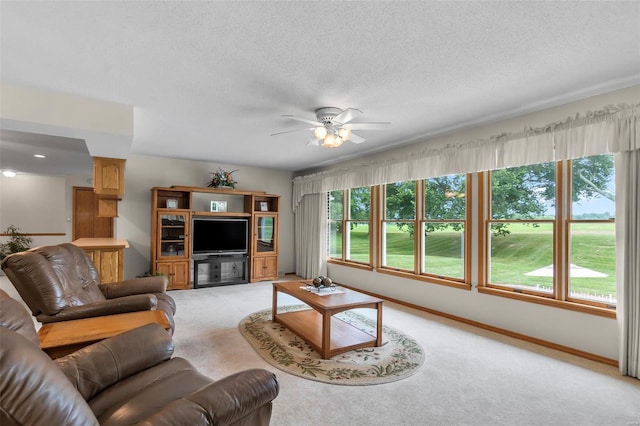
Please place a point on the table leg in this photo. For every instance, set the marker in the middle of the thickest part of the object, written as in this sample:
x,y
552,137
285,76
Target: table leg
x,y
379,325
274,301
326,335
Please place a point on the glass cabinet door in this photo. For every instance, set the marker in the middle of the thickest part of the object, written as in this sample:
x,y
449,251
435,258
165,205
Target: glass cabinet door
x,y
173,230
265,233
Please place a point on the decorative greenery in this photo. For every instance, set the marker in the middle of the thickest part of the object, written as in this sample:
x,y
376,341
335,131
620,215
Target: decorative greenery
x,y
18,242
222,178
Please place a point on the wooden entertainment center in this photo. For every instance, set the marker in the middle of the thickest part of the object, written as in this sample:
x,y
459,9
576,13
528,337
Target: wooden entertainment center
x,y
173,211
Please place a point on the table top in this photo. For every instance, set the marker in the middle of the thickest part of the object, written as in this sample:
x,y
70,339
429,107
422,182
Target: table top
x,y
349,298
56,334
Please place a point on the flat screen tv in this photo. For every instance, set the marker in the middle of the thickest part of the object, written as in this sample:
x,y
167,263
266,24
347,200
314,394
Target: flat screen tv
x,y
212,235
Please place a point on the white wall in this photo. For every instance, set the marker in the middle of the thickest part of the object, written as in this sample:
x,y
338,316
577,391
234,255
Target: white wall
x,y
40,204
36,204
589,333
144,172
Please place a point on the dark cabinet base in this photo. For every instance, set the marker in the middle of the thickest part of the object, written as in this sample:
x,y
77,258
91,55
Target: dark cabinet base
x,y
220,270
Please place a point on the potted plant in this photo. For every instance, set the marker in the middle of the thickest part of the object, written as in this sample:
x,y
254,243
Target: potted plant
x,y
18,242
222,179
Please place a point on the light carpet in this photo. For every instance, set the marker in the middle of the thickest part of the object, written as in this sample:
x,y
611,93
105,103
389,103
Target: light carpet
x,y
399,356
470,377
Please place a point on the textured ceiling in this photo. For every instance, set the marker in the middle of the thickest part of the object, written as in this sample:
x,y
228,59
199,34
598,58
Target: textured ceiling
x,y
211,80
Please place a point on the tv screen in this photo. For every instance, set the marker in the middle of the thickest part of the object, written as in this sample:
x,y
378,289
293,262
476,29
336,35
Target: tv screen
x,y
219,236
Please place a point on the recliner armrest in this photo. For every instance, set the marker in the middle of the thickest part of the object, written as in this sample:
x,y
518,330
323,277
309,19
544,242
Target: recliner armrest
x,y
138,302
157,284
246,394
98,366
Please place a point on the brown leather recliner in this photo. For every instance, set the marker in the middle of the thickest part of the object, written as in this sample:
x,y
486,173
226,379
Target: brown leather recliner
x,y
127,379
61,283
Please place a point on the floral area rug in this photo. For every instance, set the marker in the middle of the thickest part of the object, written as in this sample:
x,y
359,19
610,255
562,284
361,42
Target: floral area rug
x,y
399,356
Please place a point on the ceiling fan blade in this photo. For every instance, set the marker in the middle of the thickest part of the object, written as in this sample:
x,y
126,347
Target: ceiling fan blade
x,y
368,126
304,120
356,139
346,115
313,141
292,131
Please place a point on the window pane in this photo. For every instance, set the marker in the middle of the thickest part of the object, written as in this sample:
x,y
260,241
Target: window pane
x,y
522,255
401,200
526,192
398,245
358,242
592,188
443,251
445,197
336,205
335,239
593,264
360,203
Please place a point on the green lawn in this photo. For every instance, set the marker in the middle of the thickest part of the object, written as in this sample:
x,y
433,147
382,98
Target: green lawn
x,y
523,251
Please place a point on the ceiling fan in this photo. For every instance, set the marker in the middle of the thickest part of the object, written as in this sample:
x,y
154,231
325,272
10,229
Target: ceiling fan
x,y
333,127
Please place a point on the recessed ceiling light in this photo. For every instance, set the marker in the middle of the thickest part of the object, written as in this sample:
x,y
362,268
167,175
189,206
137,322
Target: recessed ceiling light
x,y
9,173
39,155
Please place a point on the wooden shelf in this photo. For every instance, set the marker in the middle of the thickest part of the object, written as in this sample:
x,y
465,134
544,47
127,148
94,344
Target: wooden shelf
x,y
191,201
220,190
308,323
225,214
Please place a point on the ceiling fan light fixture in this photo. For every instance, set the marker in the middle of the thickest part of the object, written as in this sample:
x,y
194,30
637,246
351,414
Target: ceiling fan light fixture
x,y
332,141
320,132
329,141
345,134
332,127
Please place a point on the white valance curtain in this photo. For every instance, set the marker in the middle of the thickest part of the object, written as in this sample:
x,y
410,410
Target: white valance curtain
x,y
611,129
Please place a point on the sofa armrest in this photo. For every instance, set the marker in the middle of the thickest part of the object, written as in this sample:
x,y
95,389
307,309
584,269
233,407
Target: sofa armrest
x,y
139,302
246,396
157,284
98,366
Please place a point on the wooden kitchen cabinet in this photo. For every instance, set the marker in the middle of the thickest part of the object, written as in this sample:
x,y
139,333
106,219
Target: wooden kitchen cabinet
x,y
178,273
107,254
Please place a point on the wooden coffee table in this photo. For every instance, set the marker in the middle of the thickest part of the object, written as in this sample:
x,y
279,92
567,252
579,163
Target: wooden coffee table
x,y
318,327
58,339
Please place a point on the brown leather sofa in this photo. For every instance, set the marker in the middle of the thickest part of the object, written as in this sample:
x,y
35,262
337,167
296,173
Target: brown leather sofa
x,y
127,379
61,283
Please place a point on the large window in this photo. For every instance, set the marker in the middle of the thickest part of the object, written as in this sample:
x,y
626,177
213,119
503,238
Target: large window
x,y
443,227
350,225
591,231
399,225
542,233
550,231
521,228
336,225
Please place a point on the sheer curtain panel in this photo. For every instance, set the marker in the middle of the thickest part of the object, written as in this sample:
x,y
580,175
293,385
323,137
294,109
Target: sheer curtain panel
x,y
311,236
628,265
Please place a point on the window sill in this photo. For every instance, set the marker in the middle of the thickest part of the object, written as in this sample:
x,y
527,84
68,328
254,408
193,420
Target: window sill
x,y
572,306
363,266
424,278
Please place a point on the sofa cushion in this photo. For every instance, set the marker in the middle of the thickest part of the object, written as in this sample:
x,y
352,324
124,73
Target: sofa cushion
x,y
123,403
